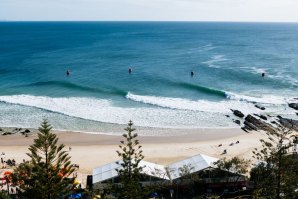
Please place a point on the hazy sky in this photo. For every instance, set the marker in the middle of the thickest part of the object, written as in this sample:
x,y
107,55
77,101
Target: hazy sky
x,y
140,10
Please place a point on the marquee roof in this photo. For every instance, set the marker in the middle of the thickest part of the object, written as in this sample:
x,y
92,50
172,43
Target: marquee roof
x,y
171,171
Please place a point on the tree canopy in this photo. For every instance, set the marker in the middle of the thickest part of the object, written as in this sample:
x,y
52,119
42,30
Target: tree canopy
x,y
276,172
131,155
47,175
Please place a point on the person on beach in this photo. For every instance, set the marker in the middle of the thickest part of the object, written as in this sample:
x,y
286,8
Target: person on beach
x,y
68,72
129,70
192,73
263,74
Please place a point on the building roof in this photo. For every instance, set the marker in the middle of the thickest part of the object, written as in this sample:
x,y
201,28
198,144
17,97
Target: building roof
x,y
192,164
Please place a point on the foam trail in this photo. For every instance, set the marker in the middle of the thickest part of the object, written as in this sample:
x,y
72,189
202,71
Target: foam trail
x,y
185,104
165,112
215,59
104,111
267,99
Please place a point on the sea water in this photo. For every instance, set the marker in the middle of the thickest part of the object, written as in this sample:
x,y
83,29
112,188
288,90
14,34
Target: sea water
x,y
227,60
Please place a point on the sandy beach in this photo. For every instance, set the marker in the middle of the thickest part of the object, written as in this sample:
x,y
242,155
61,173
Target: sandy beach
x,y
92,150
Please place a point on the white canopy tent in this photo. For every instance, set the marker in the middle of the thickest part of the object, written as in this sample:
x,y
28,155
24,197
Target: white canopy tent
x,y
195,164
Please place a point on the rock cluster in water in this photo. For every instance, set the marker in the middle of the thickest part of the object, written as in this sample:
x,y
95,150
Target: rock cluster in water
x,y
15,131
294,105
264,122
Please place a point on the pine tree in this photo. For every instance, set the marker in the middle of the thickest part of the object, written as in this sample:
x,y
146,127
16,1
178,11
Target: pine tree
x,y
131,155
275,175
47,174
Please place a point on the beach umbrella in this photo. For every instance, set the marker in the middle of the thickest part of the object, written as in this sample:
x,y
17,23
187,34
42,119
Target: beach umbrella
x,y
6,173
76,182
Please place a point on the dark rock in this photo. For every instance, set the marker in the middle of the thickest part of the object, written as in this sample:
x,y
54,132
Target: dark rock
x,y
261,116
23,132
237,121
244,129
294,105
27,131
257,124
296,113
273,122
250,126
6,133
227,116
238,113
260,107
1,129
289,123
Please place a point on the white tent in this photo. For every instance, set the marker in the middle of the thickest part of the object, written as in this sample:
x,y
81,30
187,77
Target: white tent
x,y
194,164
108,171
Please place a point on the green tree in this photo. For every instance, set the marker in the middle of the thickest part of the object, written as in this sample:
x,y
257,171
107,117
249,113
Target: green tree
x,y
47,174
4,195
234,166
129,173
275,175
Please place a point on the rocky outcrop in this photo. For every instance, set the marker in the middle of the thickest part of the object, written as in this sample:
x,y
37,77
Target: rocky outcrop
x,y
244,129
15,131
249,126
237,122
238,113
288,123
263,117
252,123
294,105
260,107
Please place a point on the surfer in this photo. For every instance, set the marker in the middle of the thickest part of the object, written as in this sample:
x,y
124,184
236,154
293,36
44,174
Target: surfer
x,y
67,72
263,74
129,70
192,73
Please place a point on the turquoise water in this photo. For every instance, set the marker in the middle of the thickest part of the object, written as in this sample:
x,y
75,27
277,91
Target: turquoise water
x,y
227,60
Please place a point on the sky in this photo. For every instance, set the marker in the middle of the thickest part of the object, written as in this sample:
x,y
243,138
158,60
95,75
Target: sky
x,y
150,10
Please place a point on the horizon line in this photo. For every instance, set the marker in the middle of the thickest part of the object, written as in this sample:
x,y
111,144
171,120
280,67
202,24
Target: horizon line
x,y
211,21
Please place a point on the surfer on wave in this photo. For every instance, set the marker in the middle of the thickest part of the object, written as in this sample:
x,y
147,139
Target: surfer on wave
x,y
263,74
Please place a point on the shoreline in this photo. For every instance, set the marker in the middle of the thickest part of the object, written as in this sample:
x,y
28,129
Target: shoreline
x,y
92,150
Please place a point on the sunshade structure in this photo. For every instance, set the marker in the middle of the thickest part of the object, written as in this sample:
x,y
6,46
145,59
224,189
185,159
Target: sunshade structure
x,y
193,164
108,171
4,173
169,172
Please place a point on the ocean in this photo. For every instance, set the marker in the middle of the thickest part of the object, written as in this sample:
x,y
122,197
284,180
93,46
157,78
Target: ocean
x,y
99,95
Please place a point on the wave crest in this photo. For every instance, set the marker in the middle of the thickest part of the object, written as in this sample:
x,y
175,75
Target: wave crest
x,y
74,86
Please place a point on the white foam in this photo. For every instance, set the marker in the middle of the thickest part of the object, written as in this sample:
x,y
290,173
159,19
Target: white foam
x,y
207,47
223,106
265,99
104,111
166,112
214,60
